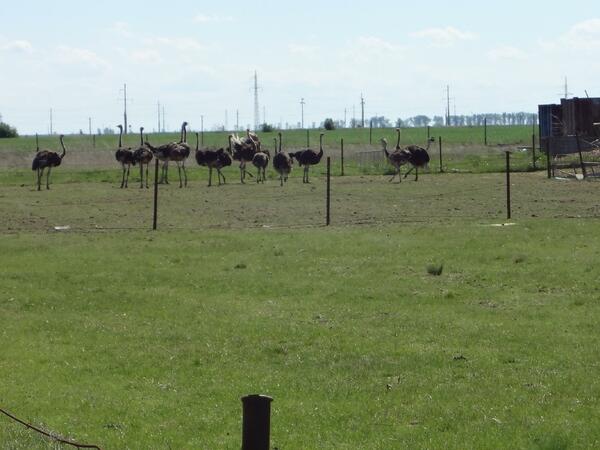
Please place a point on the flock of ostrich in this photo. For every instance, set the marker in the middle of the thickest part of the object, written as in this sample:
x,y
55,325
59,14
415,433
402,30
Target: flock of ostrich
x,y
246,150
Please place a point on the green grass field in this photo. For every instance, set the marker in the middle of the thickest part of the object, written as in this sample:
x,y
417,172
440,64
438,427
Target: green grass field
x,y
126,338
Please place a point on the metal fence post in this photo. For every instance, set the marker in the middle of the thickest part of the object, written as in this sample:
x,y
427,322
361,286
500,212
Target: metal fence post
x,y
328,202
441,166
256,422
508,211
155,216
342,155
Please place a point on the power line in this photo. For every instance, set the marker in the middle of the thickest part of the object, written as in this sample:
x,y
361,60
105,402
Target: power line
x,y
302,103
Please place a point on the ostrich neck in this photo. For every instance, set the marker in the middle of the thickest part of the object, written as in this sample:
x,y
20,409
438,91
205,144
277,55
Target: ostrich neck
x,y
197,142
120,137
62,144
398,142
141,137
280,139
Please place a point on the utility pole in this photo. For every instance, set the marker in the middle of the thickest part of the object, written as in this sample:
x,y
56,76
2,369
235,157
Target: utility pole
x,y
158,111
226,121
567,93
51,131
256,108
237,119
163,121
302,103
448,105
125,107
90,125
345,123
362,106
264,114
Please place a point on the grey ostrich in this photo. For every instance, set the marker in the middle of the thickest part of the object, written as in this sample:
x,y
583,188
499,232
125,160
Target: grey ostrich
x,y
46,159
125,157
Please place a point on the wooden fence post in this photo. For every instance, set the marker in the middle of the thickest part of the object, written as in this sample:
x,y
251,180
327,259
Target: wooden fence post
x,y
485,131
580,156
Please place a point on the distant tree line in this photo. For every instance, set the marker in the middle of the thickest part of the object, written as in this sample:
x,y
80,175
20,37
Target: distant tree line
x,y
6,131
473,120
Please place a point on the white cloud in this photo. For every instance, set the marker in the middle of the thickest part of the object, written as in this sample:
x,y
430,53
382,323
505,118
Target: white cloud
x,y
121,29
179,44
80,56
583,35
504,53
20,46
206,18
146,56
444,37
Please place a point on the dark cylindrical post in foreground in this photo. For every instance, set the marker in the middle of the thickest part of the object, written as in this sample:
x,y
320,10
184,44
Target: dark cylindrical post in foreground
x,y
37,142
533,150
370,132
485,131
342,155
155,216
94,141
328,220
441,166
307,138
548,160
583,171
508,214
256,422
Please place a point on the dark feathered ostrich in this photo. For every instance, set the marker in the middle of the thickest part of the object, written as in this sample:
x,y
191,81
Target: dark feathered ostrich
x,y
261,162
142,156
213,159
46,159
125,157
244,151
179,153
419,157
309,157
397,158
282,163
163,153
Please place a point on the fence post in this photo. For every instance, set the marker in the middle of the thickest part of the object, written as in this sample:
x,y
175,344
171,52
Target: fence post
x,y
37,142
441,166
155,216
533,150
548,160
342,155
580,156
485,131
508,210
328,217
256,422
94,141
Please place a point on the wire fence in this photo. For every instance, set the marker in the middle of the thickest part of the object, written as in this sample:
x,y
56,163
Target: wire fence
x,y
359,199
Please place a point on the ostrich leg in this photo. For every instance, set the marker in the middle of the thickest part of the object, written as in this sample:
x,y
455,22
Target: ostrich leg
x,y
40,172
147,164
184,174
209,176
127,177
48,177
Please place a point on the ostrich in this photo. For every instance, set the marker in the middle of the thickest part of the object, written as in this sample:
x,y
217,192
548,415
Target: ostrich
x,y
47,159
163,153
397,158
309,158
282,162
142,156
213,159
244,151
419,157
125,157
261,162
179,153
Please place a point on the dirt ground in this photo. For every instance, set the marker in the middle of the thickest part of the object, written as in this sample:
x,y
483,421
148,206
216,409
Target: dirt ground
x,y
355,200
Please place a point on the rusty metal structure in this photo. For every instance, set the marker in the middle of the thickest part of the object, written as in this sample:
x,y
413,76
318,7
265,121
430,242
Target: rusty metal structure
x,y
568,130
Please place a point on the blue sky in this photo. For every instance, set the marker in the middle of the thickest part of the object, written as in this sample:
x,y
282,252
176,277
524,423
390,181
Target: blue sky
x,y
198,58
